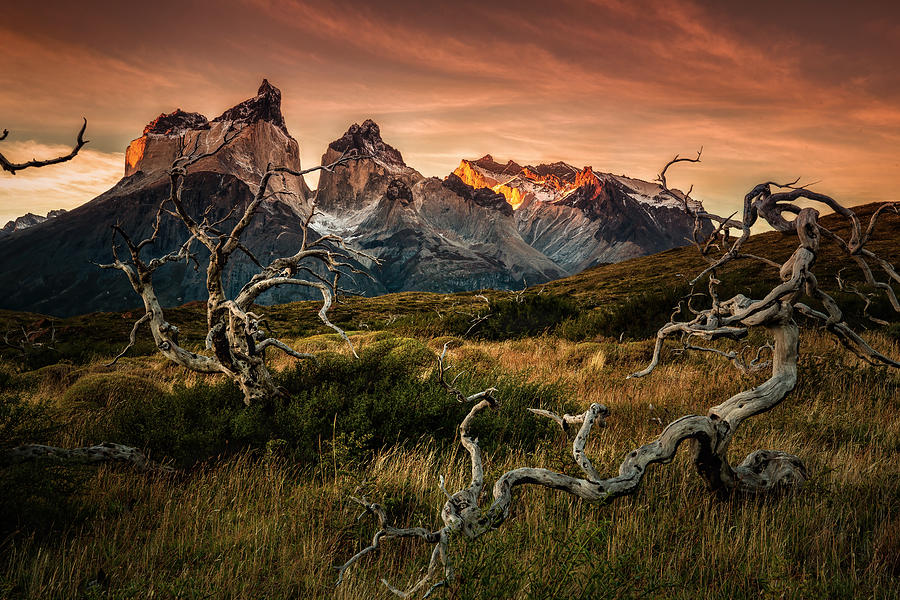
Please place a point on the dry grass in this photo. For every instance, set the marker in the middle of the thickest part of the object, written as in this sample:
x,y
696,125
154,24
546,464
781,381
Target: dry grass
x,y
251,526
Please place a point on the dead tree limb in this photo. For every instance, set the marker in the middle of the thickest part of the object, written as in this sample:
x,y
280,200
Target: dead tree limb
x,y
710,434
92,455
236,342
12,167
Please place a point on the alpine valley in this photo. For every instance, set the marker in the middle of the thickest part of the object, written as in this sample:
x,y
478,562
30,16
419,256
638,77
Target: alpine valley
x,y
485,225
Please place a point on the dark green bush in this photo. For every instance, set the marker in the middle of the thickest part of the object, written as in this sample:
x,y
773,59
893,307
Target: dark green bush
x,y
637,317
344,406
23,422
393,394
107,390
40,497
528,315
188,424
432,324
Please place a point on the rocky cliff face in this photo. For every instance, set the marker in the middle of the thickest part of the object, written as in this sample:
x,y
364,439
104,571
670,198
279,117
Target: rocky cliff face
x,y
488,224
578,217
260,138
429,234
47,268
358,185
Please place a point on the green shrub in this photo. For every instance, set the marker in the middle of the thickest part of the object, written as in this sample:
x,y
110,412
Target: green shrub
x,y
336,404
637,317
57,375
393,394
528,315
188,424
106,390
23,422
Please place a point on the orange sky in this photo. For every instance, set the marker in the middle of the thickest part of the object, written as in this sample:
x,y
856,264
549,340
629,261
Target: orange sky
x,y
770,91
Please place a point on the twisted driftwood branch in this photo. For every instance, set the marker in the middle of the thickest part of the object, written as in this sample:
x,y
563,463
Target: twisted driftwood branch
x,y
711,435
92,455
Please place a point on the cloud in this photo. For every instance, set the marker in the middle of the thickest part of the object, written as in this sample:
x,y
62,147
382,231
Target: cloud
x,y
65,185
619,84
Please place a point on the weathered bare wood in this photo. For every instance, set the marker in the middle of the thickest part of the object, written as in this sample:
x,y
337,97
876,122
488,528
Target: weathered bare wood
x,y
235,340
91,455
11,167
709,435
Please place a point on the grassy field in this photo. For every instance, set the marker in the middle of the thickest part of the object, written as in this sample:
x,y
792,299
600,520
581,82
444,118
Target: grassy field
x,y
257,505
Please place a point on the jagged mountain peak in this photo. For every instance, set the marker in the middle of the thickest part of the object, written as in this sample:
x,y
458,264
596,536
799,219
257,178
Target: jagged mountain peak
x,y
366,139
482,196
261,139
488,163
29,220
586,176
562,170
265,106
176,123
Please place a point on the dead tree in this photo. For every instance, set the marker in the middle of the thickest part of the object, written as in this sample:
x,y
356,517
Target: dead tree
x,y
31,342
711,434
11,167
236,340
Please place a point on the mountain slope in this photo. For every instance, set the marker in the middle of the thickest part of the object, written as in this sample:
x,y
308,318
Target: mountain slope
x,y
646,284
486,225
428,234
580,218
47,267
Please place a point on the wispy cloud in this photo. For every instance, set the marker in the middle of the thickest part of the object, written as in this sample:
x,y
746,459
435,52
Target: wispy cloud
x,y
65,185
769,89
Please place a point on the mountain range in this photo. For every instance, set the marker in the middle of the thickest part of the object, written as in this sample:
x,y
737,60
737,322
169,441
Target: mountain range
x,y
485,225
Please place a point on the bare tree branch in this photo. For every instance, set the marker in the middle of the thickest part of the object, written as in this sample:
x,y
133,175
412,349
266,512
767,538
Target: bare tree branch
x,y
235,338
132,337
12,167
711,434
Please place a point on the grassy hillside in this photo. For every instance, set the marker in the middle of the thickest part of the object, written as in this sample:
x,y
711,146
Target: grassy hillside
x,y
632,298
258,503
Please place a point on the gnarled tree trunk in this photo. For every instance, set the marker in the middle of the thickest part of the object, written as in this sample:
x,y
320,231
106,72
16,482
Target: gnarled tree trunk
x,y
710,435
236,341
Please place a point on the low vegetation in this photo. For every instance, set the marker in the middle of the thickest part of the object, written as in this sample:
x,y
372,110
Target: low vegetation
x,y
257,504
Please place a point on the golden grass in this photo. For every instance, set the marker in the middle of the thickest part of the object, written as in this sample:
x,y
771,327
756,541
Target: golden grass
x,y
251,526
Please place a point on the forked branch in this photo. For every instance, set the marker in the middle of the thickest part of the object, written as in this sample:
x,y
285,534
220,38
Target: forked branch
x,y
710,434
12,167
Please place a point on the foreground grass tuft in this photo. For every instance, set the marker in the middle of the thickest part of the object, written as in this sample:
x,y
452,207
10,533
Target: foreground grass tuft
x,y
259,505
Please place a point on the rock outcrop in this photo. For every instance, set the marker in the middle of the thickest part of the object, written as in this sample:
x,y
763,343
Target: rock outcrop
x,y
429,234
358,185
260,139
48,267
28,220
580,218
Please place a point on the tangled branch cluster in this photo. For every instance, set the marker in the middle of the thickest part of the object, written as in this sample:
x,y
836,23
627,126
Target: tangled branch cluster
x,y
236,338
710,434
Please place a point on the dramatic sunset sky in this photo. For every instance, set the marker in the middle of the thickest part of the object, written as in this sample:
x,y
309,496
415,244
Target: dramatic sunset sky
x,y
771,90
